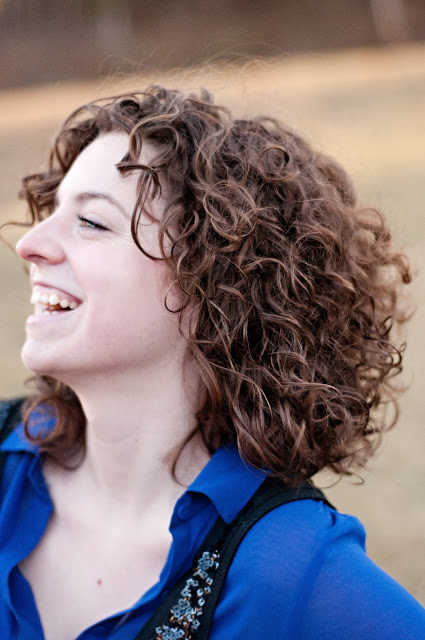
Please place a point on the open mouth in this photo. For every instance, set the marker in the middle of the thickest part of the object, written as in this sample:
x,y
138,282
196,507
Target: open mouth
x,y
52,302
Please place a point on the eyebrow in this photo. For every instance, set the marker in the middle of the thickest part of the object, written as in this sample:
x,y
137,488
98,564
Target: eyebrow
x,y
94,195
86,196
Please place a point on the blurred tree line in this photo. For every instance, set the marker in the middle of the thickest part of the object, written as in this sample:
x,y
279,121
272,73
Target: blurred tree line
x,y
48,40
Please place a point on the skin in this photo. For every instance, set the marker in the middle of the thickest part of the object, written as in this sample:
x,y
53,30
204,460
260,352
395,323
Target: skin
x,y
121,351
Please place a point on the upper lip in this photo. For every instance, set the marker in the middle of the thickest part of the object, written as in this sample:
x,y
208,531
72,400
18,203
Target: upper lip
x,y
52,287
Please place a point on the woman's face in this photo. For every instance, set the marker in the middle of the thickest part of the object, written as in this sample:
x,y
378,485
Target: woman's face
x,y
99,302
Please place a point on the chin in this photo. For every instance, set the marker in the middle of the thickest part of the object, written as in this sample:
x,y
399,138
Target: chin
x,y
38,361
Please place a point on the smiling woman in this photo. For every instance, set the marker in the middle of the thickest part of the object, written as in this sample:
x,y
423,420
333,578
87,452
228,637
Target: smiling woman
x,y
215,320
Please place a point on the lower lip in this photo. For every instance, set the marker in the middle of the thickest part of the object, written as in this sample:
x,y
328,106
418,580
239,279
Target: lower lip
x,y
39,319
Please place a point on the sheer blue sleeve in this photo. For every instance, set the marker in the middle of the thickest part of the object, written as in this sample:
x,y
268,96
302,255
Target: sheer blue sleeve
x,y
302,573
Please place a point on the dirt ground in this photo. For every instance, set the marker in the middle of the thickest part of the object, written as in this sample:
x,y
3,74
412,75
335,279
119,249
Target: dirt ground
x,y
367,108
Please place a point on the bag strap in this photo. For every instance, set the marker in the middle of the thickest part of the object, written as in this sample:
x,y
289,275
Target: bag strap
x,y
188,608
272,494
10,416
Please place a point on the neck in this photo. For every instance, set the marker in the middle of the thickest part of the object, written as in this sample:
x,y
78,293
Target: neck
x,y
133,425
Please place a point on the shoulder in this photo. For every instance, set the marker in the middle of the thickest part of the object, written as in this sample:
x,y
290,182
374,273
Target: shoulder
x,y
288,546
18,455
10,417
304,570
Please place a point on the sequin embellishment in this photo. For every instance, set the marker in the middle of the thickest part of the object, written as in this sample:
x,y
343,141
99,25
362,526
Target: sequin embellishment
x,y
184,615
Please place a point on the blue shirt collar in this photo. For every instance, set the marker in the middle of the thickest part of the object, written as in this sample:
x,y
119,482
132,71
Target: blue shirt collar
x,y
41,421
17,441
228,481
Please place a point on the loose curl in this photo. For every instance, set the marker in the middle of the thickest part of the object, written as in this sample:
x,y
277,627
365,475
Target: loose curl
x,y
296,288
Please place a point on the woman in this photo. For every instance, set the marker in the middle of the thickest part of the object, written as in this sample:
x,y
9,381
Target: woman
x,y
211,308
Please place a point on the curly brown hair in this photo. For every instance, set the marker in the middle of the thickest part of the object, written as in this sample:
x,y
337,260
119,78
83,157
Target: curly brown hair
x,y
296,287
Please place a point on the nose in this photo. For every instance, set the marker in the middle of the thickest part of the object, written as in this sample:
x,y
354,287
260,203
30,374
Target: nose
x,y
40,244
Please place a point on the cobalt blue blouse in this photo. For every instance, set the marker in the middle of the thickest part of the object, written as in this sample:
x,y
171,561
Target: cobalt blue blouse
x,y
301,573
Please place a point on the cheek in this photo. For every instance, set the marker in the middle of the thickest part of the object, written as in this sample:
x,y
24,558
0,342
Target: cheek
x,y
128,308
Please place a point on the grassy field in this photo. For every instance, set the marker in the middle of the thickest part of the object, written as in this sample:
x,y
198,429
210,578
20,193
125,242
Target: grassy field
x,y
367,108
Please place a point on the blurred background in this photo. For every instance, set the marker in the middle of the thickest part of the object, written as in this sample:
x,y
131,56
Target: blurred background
x,y
349,75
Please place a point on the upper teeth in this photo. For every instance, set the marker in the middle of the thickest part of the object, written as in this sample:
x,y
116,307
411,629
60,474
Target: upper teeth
x,y
51,299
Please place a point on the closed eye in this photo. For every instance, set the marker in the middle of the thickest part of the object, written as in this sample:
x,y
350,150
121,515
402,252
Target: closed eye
x,y
89,224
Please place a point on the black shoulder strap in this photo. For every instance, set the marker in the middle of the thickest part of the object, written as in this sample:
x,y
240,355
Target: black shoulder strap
x,y
10,415
188,608
272,493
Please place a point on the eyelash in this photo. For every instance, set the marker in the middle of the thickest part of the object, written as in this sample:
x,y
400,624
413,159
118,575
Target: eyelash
x,y
89,224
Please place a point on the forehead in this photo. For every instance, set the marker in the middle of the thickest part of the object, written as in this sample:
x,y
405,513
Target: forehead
x,y
95,169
